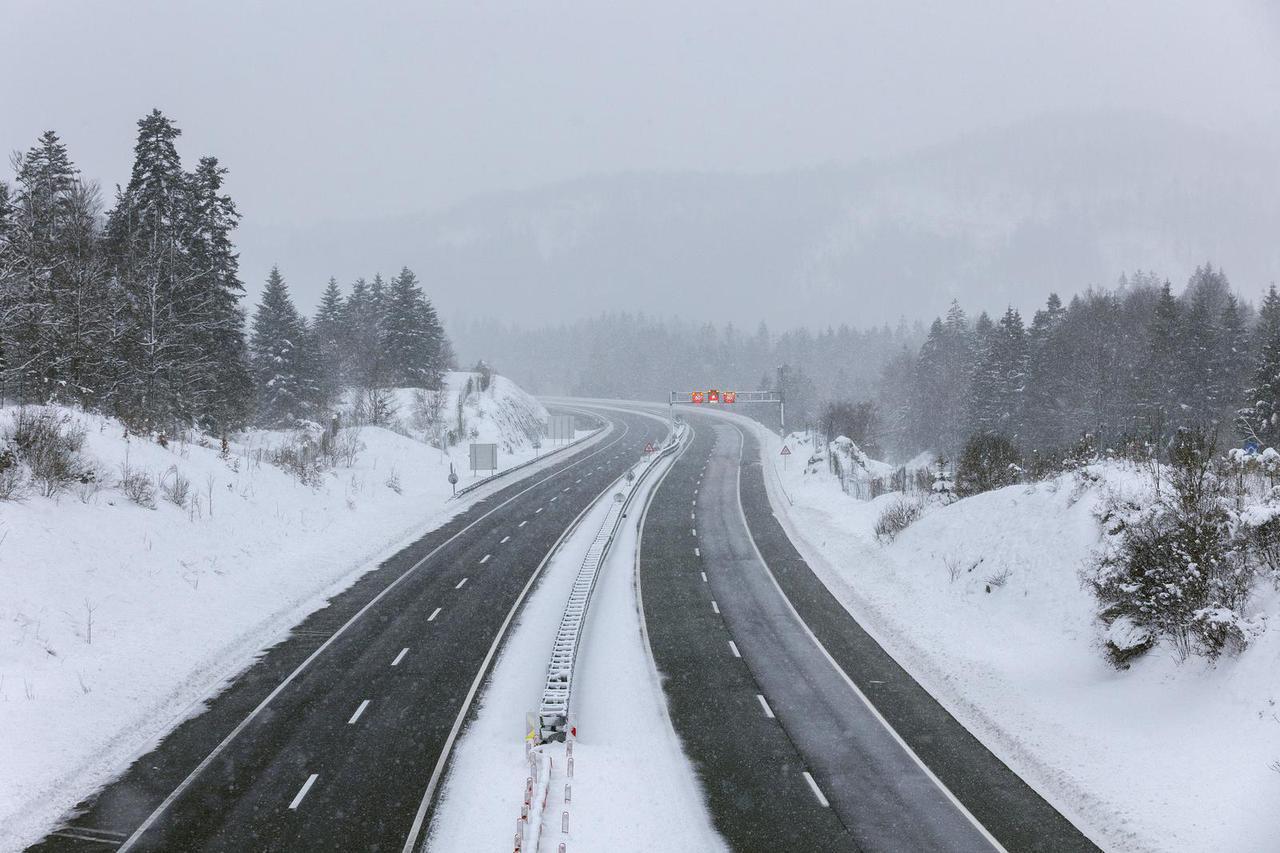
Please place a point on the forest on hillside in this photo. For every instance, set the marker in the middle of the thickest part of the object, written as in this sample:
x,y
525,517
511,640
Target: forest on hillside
x,y
136,311
1111,366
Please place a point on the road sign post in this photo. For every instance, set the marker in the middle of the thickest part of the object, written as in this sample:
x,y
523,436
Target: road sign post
x,y
786,451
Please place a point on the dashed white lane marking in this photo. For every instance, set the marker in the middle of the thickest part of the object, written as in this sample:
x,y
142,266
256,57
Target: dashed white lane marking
x,y
400,657
579,480
306,786
715,608
434,614
556,498
693,530
695,501
523,523
693,516
733,647
505,540
565,489
485,559
768,712
697,552
538,510
813,786
359,711
460,583
704,576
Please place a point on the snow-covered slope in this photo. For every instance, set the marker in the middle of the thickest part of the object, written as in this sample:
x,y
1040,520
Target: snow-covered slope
x,y
117,619
982,601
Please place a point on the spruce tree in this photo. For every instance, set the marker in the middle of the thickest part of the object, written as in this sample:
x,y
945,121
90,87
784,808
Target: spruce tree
x,y
223,388
145,233
329,336
277,354
1260,416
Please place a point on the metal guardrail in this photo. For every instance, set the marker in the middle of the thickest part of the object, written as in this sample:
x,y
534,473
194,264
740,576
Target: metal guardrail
x,y
553,713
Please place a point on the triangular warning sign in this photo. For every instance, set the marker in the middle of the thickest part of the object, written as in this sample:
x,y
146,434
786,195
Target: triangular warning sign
x,y
648,448
786,451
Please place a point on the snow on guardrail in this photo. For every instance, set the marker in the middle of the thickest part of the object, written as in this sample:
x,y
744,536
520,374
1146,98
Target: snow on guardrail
x,y
551,723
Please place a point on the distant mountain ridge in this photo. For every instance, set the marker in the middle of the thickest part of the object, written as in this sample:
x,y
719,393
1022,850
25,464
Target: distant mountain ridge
x,y
996,218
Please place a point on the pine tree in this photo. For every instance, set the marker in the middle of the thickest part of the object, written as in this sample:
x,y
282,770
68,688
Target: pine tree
x,y
996,397
1231,361
1260,415
1158,384
329,335
1044,393
223,392
1199,345
145,234
277,356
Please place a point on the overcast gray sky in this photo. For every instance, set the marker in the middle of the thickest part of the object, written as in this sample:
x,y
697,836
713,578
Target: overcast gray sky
x,y
327,111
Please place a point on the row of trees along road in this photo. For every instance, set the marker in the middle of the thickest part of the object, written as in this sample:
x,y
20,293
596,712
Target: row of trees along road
x,y
1131,364
138,312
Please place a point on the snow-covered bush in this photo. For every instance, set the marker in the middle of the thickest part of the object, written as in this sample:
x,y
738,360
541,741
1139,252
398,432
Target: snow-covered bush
x,y
989,461
1175,568
48,444
897,517
136,485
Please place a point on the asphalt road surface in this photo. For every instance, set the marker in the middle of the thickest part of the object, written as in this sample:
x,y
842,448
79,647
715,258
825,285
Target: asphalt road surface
x,y
766,674
332,739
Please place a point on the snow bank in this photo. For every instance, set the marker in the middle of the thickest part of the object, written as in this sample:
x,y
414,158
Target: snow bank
x,y
117,620
982,601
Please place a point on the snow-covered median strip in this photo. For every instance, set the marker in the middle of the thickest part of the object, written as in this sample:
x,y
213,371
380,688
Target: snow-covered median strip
x,y
632,787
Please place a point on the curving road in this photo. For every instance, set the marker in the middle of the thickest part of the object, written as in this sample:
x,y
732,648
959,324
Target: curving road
x,y
335,739
805,733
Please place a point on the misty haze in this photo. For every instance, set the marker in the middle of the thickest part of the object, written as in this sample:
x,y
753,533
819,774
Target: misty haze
x,y
580,427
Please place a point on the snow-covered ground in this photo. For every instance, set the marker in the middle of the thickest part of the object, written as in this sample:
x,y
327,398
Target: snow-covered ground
x,y
118,620
633,788
1162,757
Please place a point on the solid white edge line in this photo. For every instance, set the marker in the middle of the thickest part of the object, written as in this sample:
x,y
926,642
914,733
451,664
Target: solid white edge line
x,y
306,786
400,656
764,704
359,711
460,583
420,817
817,792
955,801
279,688
434,614
733,647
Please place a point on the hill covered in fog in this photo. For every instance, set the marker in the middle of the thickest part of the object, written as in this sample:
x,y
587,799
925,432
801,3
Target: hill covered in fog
x,y
997,218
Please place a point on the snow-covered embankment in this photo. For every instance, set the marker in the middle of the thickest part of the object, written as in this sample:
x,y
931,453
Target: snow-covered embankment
x,y
119,616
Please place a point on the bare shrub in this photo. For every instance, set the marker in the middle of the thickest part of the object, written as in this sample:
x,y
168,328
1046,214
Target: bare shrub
x,y
347,446
136,485
300,456
953,564
393,482
13,476
49,444
897,517
175,487
999,579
